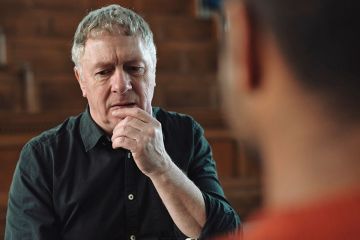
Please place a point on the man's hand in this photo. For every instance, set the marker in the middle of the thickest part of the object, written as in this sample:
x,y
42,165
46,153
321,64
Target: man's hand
x,y
140,133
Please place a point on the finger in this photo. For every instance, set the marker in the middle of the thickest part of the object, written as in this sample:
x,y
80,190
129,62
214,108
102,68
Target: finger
x,y
126,131
133,112
133,122
124,142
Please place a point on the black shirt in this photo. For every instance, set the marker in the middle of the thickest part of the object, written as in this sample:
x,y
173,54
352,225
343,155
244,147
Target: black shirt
x,y
70,183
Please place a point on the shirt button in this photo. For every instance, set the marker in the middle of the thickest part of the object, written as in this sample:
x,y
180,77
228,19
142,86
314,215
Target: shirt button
x,y
131,197
132,237
129,155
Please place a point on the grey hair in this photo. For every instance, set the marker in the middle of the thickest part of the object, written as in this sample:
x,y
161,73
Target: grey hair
x,y
113,19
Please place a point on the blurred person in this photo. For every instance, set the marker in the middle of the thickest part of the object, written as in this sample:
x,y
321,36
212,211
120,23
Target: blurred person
x,y
290,80
122,169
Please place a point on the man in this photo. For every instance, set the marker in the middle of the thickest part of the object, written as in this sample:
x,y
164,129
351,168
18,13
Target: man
x,y
121,169
290,79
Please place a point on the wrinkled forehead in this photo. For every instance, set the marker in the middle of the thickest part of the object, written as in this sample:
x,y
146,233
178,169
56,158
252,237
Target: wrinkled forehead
x,y
115,47
125,38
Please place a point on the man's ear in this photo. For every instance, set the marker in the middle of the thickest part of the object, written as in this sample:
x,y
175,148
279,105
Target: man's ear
x,y
244,45
80,80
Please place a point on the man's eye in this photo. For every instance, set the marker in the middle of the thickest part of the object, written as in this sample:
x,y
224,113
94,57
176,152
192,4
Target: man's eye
x,y
136,70
104,72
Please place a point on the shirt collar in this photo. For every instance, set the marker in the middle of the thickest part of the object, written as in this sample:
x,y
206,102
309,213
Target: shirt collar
x,y
90,132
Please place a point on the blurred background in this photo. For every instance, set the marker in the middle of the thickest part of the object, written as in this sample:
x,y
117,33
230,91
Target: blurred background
x,y
38,89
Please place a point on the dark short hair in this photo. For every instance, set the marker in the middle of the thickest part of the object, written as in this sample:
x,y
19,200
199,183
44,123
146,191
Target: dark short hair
x,y
320,39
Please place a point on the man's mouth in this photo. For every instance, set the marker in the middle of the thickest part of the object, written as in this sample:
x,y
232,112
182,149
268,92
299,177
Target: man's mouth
x,y
123,105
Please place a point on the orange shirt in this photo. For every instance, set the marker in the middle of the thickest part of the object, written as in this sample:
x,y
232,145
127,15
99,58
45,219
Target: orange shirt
x,y
331,219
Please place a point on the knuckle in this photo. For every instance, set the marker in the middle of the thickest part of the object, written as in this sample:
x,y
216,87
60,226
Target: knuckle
x,y
151,132
115,143
117,128
118,141
158,124
123,128
127,119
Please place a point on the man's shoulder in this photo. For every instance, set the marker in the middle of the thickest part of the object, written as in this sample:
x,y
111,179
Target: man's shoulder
x,y
62,131
172,117
181,125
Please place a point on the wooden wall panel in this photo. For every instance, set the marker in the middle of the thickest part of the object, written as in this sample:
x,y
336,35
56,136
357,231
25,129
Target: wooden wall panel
x,y
244,194
53,4
180,28
3,204
165,7
8,161
40,33
50,56
61,96
225,152
7,89
10,91
186,58
41,23
225,156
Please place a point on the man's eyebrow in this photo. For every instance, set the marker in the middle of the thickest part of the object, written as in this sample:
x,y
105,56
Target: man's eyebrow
x,y
102,64
136,61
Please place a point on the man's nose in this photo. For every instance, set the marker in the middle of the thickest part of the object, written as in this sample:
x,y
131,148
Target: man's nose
x,y
120,82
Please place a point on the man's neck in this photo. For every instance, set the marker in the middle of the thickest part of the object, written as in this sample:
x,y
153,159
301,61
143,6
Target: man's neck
x,y
308,164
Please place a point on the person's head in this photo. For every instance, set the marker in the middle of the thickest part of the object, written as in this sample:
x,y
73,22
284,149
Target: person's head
x,y
287,56
115,62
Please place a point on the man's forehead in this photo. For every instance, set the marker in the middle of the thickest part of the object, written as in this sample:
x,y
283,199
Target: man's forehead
x,y
107,38
114,45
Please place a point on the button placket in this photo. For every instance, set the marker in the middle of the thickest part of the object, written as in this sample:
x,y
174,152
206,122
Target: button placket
x,y
131,191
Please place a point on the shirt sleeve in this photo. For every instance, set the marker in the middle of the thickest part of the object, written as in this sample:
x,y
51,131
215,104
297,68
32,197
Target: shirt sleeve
x,y
30,213
221,217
